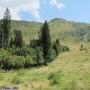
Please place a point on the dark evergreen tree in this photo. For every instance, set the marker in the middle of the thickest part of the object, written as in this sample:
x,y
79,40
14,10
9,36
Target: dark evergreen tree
x,y
45,41
1,39
18,39
11,42
34,43
57,41
6,26
57,47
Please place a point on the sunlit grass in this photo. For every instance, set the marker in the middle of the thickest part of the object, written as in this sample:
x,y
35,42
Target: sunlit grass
x,y
71,68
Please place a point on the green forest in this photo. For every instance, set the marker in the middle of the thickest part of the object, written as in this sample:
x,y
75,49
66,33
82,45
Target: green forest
x,y
16,54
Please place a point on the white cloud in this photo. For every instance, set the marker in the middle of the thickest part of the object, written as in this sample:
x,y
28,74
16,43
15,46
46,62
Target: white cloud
x,y
30,6
17,6
57,4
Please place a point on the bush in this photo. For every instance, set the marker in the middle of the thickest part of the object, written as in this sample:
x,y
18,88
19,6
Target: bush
x,y
81,47
17,62
64,48
12,51
56,47
59,48
34,43
22,51
29,62
53,79
52,55
9,61
39,57
4,59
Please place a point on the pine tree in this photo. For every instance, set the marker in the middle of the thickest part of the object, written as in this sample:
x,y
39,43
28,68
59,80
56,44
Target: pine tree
x,y
11,42
45,41
58,42
56,46
18,39
1,39
6,26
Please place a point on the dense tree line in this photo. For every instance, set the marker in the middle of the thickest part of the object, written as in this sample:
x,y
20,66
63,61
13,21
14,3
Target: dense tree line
x,y
15,54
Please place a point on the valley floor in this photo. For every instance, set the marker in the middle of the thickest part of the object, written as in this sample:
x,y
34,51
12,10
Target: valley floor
x,y
71,68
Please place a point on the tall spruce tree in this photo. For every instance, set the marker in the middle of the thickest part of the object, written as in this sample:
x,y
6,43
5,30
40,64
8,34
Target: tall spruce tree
x,y
45,41
18,39
6,26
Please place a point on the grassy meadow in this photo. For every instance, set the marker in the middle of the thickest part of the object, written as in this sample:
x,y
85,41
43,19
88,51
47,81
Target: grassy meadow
x,y
70,71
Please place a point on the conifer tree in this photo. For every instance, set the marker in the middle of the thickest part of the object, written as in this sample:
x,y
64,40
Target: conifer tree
x,y
11,42
18,39
1,39
45,41
56,46
6,26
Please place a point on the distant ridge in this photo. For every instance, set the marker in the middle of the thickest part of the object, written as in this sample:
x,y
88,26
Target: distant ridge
x,y
60,28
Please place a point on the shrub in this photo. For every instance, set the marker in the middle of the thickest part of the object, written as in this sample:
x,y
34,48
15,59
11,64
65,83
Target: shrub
x,y
56,47
4,59
39,57
81,47
12,51
34,43
51,55
53,79
29,62
65,48
17,62
22,51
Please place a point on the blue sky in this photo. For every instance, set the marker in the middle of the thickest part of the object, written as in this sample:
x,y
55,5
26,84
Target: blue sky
x,y
40,10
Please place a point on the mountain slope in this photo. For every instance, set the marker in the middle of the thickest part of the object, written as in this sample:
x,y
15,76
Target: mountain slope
x,y
60,28
69,31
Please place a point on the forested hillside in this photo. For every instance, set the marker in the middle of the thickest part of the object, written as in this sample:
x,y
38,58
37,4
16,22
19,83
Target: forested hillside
x,y
23,48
